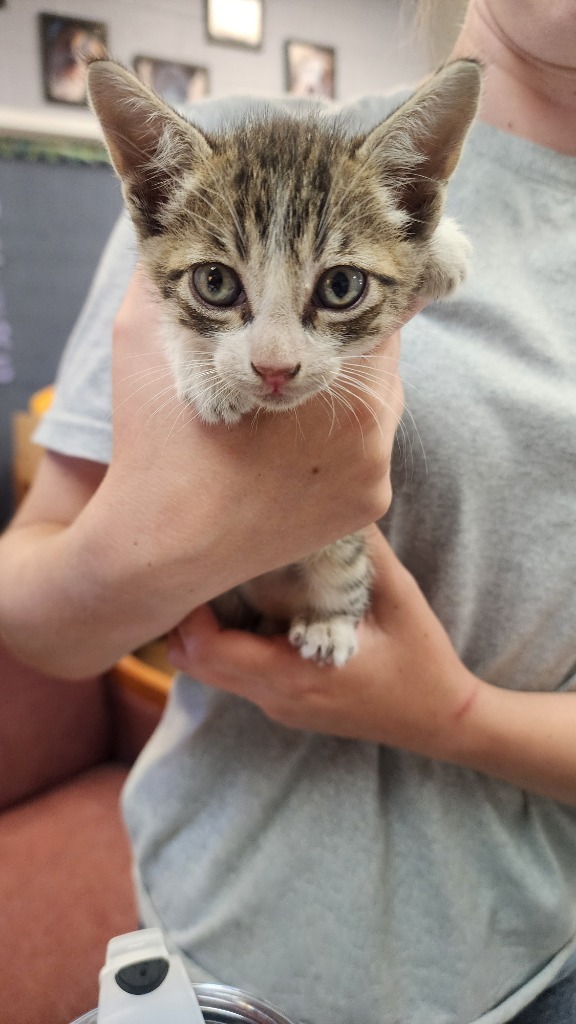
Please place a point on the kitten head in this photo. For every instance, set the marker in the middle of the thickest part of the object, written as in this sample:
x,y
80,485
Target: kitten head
x,y
283,247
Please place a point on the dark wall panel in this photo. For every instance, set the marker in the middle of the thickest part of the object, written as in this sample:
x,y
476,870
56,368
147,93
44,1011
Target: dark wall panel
x,y
54,221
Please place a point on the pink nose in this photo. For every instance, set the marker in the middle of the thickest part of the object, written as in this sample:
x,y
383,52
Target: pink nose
x,y
275,377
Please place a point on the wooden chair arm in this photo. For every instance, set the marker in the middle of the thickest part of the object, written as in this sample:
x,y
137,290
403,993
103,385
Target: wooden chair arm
x,y
131,673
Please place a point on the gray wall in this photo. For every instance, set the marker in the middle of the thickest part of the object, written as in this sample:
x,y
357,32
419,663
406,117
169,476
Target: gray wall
x,y
376,49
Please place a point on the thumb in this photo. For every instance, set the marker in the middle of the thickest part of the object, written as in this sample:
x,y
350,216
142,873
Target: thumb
x,y
198,629
392,583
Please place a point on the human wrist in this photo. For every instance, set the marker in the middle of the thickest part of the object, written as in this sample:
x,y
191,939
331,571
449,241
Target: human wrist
x,y
523,737
481,735
463,737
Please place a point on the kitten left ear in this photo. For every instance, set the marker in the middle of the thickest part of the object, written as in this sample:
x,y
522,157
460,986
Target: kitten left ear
x,y
418,147
148,142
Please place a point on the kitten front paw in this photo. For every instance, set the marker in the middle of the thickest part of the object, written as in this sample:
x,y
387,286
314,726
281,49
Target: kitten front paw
x,y
331,642
448,265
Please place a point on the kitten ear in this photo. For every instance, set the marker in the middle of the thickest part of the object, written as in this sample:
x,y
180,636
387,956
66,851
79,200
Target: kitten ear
x,y
418,147
148,142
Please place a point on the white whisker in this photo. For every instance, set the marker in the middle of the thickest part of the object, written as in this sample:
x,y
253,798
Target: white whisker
x,y
402,428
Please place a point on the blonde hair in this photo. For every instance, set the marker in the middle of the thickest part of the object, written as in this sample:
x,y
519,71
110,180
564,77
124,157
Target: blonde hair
x,y
439,21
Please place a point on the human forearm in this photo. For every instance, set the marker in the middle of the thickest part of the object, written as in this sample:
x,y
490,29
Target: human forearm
x,y
527,739
75,598
63,609
47,596
49,590
136,556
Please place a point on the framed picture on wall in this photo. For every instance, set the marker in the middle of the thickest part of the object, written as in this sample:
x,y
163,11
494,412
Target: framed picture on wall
x,y
176,83
310,69
236,22
65,43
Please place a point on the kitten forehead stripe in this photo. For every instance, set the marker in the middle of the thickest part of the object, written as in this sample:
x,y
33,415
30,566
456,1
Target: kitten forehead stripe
x,y
288,176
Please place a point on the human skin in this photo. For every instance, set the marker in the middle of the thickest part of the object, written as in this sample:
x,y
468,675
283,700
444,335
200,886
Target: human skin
x,y
530,72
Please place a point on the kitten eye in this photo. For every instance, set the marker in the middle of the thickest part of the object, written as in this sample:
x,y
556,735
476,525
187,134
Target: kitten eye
x,y
216,284
340,287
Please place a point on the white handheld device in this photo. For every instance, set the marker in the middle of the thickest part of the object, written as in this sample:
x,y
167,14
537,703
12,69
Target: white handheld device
x,y
142,983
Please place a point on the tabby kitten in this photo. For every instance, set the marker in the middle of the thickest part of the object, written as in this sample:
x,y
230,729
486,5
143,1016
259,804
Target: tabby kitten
x,y
284,249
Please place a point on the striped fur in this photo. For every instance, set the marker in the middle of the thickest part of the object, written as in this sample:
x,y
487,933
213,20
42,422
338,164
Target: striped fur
x,y
277,201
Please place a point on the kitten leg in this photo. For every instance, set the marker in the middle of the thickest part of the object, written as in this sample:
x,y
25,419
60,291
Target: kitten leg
x,y
337,585
234,612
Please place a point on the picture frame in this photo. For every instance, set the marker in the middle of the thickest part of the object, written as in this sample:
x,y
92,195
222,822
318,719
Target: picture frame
x,y
65,44
175,82
310,69
235,22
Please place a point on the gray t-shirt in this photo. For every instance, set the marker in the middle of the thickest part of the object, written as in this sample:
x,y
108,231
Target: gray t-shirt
x,y
346,881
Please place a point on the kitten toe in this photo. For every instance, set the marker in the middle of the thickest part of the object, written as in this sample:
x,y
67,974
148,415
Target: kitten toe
x,y
345,641
331,642
297,632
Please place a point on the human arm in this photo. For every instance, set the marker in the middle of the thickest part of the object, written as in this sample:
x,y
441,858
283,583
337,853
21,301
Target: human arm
x,y
99,560
405,688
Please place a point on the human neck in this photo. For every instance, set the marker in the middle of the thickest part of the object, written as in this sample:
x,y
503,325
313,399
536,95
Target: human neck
x,y
525,92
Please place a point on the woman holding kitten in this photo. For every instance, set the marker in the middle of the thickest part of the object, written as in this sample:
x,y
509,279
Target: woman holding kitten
x,y
394,840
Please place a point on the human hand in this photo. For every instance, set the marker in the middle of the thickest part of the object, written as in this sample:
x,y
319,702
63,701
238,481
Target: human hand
x,y
406,687
253,496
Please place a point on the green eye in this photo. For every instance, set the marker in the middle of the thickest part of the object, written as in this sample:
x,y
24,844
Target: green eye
x,y
340,287
216,284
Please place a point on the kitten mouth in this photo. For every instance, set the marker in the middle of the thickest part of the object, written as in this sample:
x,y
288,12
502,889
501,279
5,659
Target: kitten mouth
x,y
280,400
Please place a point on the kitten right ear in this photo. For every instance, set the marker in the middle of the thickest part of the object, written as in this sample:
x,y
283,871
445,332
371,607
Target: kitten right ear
x,y
148,142
416,149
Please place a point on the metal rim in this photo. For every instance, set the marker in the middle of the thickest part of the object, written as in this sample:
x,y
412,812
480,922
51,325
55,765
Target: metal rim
x,y
222,1004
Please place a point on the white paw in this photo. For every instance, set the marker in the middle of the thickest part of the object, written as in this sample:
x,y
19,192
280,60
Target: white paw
x,y
449,263
331,642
